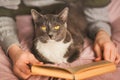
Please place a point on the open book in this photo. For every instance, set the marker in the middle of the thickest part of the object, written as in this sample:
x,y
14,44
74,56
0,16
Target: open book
x,y
75,73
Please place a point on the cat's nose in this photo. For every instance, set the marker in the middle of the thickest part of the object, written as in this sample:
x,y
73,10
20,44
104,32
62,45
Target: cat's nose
x,y
50,36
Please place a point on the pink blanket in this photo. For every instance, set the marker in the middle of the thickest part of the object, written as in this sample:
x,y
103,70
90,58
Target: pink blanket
x,y
24,25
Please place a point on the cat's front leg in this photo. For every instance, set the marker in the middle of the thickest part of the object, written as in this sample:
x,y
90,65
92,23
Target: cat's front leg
x,y
72,53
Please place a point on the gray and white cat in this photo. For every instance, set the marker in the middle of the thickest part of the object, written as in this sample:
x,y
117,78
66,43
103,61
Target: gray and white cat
x,y
59,37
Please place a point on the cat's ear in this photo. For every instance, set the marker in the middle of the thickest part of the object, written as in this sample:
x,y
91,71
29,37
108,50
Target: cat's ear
x,y
35,14
64,14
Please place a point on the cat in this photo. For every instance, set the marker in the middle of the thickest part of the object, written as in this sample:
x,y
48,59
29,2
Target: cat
x,y
59,38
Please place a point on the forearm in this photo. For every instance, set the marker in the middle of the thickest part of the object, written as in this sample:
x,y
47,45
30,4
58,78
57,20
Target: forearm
x,y
98,26
14,52
98,20
8,35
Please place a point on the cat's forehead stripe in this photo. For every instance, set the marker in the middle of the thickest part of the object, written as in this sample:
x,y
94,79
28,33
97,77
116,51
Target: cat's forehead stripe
x,y
49,24
52,18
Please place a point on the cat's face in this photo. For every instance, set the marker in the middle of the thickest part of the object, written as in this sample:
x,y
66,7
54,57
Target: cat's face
x,y
50,27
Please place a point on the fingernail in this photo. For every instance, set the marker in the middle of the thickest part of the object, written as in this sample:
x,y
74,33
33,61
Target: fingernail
x,y
40,62
97,59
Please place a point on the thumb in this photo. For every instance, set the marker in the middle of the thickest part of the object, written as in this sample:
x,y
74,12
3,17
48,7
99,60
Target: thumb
x,y
34,61
98,53
117,59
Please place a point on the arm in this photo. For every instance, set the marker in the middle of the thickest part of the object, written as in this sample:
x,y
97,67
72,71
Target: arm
x,y
98,20
100,31
10,44
8,35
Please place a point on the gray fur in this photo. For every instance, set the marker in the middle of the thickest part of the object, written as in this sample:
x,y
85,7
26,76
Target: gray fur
x,y
70,35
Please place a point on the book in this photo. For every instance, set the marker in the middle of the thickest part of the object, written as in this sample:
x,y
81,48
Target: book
x,y
75,73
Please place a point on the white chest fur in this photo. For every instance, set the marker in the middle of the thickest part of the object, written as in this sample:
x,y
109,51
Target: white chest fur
x,y
53,51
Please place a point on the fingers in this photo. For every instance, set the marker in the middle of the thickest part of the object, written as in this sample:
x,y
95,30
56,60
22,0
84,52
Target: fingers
x,y
117,59
22,72
21,66
34,61
106,53
111,54
98,53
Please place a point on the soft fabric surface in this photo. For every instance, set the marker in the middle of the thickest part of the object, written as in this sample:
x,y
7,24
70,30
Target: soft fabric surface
x,y
114,10
25,28
116,32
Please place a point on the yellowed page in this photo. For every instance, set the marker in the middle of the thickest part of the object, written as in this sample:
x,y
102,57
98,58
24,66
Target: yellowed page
x,y
85,67
94,72
51,71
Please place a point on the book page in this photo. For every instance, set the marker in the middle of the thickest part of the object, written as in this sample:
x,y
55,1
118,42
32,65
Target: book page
x,y
52,71
94,72
88,66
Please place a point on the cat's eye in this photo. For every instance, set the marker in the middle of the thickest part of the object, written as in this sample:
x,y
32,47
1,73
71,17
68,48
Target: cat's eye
x,y
56,27
43,28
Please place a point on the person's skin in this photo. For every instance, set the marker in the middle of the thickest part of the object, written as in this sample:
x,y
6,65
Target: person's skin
x,y
22,61
105,48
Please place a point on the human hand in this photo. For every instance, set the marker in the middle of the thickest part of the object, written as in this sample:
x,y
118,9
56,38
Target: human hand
x,y
22,61
105,48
